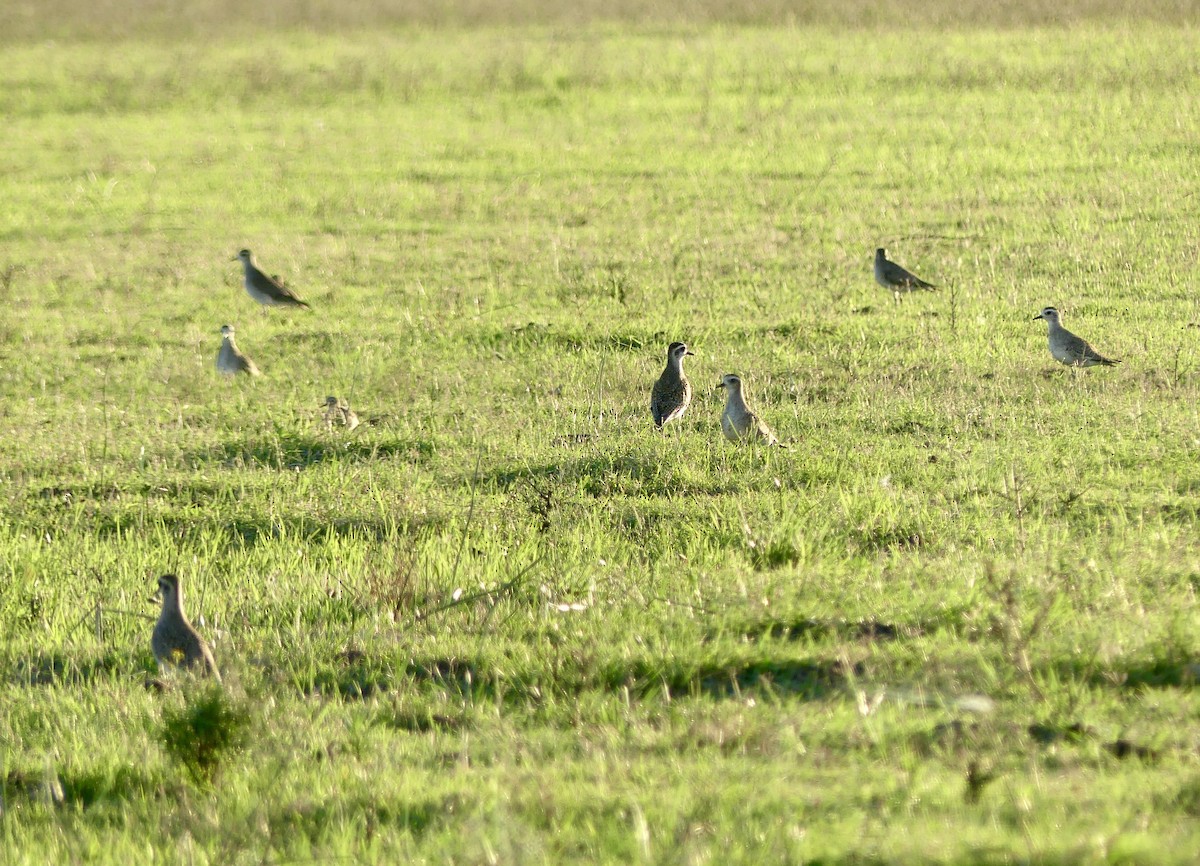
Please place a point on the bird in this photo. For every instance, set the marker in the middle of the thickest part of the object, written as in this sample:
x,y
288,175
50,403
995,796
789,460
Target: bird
x,y
891,276
738,421
175,642
338,412
267,290
230,359
672,392
1066,347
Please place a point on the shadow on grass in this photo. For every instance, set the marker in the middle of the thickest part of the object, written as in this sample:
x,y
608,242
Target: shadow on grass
x,y
876,539
58,669
808,628
251,531
1154,673
66,496
189,492
316,820
808,679
572,339
424,721
311,530
360,675
607,474
295,450
81,790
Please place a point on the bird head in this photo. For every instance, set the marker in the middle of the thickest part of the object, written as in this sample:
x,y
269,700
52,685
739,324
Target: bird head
x,y
678,350
168,588
730,381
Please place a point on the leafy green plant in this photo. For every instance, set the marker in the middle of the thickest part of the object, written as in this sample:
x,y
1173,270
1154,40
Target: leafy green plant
x,y
203,731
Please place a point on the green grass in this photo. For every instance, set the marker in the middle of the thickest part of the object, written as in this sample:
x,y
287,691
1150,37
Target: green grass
x,y
955,621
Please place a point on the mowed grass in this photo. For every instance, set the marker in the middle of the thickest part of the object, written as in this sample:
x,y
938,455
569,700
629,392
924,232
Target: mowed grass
x,y
954,621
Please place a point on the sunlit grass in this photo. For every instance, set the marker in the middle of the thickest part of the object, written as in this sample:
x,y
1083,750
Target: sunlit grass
x,y
955,621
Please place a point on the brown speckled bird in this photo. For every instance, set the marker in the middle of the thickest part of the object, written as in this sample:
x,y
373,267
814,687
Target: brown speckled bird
x,y
895,278
267,290
175,642
672,392
339,414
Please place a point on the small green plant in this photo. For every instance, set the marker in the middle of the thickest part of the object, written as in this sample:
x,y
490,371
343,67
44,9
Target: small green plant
x,y
394,585
204,731
1015,623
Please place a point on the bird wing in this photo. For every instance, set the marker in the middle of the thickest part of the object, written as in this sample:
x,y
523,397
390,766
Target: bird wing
x,y
1090,354
901,277
241,362
767,434
1079,351
274,287
656,408
1075,346
210,664
662,400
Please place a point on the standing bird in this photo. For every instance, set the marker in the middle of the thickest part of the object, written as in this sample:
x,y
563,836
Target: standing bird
x,y
268,291
1066,347
672,392
891,276
738,421
338,412
175,642
230,359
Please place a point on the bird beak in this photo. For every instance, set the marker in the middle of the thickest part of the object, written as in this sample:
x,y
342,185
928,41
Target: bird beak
x,y
720,385
693,354
1038,316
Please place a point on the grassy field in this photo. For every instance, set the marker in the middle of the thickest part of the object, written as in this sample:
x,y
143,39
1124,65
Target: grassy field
x,y
956,621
